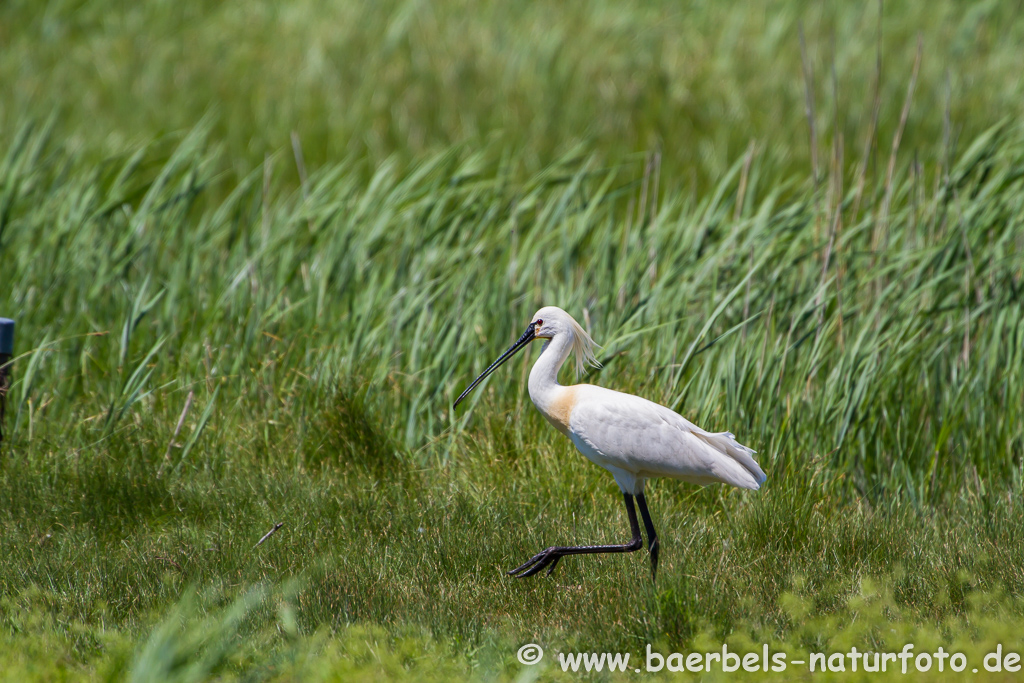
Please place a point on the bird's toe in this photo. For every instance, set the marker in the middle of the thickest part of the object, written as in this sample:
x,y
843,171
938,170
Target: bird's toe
x,y
537,563
525,565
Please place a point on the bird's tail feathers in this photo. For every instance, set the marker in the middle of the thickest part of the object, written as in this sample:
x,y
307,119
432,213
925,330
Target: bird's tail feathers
x,y
749,475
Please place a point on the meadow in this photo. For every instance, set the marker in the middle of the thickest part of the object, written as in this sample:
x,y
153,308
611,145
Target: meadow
x,y
255,251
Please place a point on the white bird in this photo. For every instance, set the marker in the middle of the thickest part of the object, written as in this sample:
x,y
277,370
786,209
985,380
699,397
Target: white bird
x,y
631,437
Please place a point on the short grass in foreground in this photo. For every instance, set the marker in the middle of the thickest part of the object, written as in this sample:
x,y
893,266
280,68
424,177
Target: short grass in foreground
x,y
195,642
873,361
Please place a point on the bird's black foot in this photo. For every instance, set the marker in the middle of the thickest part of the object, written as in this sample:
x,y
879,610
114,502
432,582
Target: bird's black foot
x,y
548,557
652,536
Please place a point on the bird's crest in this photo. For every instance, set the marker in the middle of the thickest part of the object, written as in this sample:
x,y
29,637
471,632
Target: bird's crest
x,y
582,348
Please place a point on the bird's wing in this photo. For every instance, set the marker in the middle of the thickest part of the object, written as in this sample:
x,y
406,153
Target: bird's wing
x,y
650,440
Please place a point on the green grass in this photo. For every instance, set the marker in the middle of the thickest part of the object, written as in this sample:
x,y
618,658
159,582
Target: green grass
x,y
399,80
864,332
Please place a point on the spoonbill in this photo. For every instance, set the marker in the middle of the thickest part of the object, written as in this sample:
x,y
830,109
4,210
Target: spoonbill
x,y
631,437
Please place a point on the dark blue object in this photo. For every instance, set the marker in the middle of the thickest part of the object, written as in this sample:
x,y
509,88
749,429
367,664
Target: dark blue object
x,y
6,337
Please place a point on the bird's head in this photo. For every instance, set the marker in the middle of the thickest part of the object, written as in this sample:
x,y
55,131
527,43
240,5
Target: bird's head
x,y
550,322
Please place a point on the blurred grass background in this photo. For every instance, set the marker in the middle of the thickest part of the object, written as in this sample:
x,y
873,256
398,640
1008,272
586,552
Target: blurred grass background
x,y
383,80
255,250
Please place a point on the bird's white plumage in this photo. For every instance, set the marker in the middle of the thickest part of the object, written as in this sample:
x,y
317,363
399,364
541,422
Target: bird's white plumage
x,y
637,439
633,438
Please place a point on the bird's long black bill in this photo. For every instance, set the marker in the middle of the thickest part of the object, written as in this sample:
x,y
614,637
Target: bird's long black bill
x,y
520,343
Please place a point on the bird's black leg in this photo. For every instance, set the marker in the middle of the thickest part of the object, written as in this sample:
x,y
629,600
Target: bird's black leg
x,y
549,557
652,536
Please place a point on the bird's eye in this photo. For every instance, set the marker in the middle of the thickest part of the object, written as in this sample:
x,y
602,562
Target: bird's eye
x,y
539,322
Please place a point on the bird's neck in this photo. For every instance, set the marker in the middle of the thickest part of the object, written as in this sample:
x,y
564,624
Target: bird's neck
x,y
544,387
